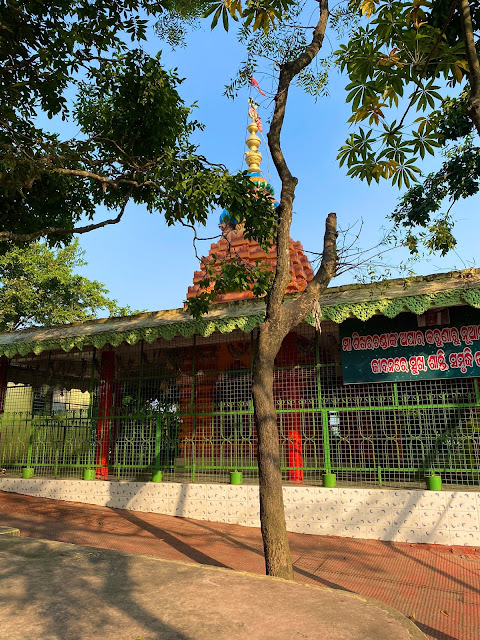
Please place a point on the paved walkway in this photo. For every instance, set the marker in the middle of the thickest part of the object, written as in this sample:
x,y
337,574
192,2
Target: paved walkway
x,y
437,587
58,591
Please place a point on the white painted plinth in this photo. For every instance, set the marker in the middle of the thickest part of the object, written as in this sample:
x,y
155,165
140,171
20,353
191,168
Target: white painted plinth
x,y
444,517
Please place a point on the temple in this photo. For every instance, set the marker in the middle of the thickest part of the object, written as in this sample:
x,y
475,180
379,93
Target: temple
x,y
233,242
385,397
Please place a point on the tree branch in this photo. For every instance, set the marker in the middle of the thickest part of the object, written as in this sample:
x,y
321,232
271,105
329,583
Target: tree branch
x,y
473,108
288,71
296,310
64,231
113,182
80,173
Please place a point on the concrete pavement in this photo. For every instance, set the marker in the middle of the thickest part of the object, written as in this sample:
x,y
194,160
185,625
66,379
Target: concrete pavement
x,y
438,587
57,591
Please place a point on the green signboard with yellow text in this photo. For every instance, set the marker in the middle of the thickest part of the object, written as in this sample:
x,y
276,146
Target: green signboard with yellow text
x,y
391,349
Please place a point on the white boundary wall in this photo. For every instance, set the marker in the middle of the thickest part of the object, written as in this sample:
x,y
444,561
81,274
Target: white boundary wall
x,y
450,518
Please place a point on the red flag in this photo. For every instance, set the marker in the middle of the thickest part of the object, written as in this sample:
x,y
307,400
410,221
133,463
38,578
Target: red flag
x,y
254,83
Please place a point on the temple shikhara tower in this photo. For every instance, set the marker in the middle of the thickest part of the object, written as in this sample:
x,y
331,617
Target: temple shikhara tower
x,y
234,244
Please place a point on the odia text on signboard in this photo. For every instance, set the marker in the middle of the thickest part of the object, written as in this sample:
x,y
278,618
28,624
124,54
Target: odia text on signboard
x,y
384,349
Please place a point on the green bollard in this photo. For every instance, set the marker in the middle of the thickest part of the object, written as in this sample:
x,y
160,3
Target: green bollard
x,y
27,473
434,482
236,477
157,476
89,474
329,480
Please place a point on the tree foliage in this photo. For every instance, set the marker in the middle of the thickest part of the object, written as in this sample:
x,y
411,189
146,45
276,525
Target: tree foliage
x,y
401,66
70,60
39,286
424,214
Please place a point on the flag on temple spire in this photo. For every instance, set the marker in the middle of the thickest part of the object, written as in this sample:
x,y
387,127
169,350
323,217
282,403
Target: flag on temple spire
x,y
254,83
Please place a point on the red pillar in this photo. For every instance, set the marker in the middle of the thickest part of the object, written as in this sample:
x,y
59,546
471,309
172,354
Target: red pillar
x,y
295,448
105,406
3,381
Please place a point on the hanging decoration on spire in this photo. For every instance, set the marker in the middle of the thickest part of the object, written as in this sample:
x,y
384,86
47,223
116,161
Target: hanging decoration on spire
x,y
253,155
253,114
254,83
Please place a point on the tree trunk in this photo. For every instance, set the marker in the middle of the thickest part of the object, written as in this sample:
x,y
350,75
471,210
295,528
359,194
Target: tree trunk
x,y
473,107
280,319
272,516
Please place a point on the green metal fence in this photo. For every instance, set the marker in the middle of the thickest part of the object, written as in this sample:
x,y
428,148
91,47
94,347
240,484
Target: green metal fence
x,y
184,407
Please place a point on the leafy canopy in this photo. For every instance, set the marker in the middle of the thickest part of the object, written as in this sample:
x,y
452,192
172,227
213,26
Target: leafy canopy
x,y
397,63
400,66
71,60
39,286
402,57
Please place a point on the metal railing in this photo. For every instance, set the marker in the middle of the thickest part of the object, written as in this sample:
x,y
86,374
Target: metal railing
x,y
199,426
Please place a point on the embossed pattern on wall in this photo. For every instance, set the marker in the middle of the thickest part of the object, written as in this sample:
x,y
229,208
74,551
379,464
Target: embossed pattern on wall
x,y
450,518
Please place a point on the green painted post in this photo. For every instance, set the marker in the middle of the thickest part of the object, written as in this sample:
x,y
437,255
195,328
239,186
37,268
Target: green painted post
x,y
236,477
192,405
57,449
326,442
235,441
157,475
89,473
28,470
329,480
434,482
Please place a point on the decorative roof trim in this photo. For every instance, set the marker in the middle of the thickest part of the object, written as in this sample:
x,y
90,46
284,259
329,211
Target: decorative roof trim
x,y
186,329
391,307
229,317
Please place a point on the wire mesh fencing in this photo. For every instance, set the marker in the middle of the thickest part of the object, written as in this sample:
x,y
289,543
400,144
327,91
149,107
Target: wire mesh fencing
x,y
183,409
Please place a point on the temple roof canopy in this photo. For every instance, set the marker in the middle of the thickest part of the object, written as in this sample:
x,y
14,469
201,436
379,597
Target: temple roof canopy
x,y
389,298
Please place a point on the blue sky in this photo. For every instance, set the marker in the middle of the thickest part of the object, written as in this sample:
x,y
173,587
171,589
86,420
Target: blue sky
x,y
148,266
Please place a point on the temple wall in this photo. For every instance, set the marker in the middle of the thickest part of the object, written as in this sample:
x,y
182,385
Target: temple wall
x,y
445,517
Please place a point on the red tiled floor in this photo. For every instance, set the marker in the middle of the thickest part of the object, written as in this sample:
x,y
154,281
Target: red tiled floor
x,y
438,587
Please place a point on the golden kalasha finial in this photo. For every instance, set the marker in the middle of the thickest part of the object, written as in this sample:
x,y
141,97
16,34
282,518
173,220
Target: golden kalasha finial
x,y
253,155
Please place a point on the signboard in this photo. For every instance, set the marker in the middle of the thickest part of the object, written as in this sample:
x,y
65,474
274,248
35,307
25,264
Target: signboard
x,y
386,350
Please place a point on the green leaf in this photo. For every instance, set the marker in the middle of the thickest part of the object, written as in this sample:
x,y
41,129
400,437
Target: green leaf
x,y
216,17
225,19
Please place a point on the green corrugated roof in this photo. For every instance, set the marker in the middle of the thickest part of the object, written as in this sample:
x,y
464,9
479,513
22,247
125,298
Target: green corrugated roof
x,y
338,303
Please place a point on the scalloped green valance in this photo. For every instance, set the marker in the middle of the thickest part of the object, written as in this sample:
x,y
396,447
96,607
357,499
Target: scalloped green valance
x,y
226,323
391,307
203,327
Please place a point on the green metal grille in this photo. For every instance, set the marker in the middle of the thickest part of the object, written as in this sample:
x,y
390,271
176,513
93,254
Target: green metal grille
x,y
184,407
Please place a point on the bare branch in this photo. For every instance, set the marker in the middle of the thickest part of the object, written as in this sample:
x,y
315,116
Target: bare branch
x,y
296,310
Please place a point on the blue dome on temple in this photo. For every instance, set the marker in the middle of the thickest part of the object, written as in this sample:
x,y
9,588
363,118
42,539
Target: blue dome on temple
x,y
260,182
